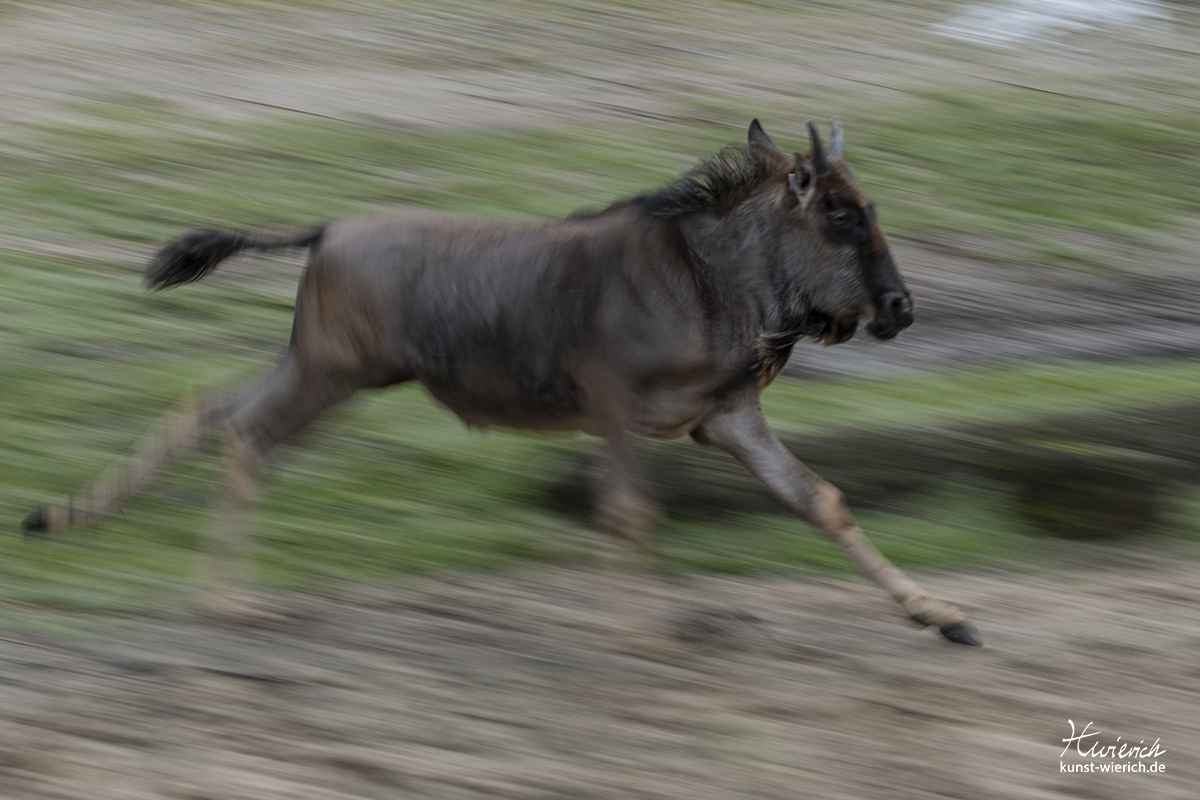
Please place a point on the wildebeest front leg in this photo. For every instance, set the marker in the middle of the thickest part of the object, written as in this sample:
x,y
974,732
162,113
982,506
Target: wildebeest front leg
x,y
745,434
634,596
624,510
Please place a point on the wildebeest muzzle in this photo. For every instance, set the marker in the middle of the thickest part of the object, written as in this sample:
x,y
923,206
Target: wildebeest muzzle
x,y
893,313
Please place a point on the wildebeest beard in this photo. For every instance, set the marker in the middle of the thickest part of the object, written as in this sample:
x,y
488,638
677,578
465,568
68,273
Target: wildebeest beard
x,y
775,346
828,329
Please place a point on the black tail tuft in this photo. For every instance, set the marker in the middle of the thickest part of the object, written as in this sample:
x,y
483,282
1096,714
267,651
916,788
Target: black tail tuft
x,y
191,257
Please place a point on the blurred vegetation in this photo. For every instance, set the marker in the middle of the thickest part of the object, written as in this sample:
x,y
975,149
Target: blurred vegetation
x,y
392,484
1034,171
1035,168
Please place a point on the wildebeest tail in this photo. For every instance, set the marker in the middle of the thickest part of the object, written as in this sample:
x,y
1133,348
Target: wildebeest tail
x,y
191,257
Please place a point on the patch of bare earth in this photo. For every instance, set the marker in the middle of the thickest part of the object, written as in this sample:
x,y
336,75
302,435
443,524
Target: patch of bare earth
x,y
508,686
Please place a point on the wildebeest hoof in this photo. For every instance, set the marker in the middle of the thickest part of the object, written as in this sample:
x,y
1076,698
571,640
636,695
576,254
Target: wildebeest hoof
x,y
962,633
36,522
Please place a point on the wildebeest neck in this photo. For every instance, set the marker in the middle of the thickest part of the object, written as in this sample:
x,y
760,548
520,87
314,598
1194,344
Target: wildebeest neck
x,y
762,308
734,251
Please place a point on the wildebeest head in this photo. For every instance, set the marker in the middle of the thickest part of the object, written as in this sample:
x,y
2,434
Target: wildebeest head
x,y
832,245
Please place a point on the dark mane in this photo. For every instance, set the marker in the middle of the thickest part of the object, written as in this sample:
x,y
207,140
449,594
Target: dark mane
x,y
718,184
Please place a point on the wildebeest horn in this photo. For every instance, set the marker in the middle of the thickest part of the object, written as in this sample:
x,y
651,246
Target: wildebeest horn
x,y
818,152
835,141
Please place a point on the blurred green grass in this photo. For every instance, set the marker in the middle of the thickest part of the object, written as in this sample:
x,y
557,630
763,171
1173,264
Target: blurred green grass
x,y
394,485
1035,168
1032,175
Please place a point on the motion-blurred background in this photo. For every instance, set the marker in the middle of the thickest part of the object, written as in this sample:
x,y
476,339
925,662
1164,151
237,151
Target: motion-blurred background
x,y
1036,165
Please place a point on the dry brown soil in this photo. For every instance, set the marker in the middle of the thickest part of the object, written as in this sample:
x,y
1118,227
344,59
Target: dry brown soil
x,y
510,686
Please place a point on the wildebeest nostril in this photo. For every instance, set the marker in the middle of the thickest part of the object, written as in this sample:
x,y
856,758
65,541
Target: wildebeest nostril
x,y
897,304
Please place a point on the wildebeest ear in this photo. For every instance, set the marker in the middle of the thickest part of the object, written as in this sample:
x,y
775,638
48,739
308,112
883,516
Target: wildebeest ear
x,y
801,182
757,136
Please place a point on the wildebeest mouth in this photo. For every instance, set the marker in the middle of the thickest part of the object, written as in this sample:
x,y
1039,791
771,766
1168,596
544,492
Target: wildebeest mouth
x,y
884,331
830,330
893,314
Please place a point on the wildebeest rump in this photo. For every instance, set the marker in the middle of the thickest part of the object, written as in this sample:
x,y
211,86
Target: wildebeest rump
x,y
663,315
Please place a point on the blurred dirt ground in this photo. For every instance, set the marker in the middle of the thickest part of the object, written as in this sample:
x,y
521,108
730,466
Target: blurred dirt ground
x,y
508,686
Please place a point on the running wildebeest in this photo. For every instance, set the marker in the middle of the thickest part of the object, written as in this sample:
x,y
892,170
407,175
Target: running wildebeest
x,y
663,315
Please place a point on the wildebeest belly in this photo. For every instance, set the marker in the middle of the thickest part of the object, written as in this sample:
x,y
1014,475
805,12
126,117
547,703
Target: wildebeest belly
x,y
526,371
556,404
504,393
500,370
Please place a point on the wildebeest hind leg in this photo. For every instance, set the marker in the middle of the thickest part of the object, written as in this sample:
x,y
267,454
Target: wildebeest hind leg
x,y
265,417
103,498
745,435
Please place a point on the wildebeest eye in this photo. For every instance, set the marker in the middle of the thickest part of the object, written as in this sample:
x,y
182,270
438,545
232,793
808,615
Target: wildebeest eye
x,y
839,218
